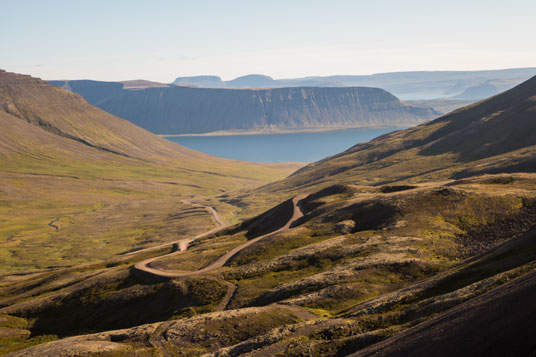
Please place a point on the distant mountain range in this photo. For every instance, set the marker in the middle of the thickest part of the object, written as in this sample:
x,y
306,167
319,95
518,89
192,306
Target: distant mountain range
x,y
185,110
416,85
206,104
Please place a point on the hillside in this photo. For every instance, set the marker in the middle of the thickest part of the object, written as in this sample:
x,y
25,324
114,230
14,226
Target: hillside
x,y
104,185
425,233
496,321
483,90
185,110
417,85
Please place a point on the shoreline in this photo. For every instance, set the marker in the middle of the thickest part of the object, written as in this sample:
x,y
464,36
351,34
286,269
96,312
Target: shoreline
x,y
272,132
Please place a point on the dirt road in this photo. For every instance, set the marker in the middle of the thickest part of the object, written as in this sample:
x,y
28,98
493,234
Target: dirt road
x,y
220,262
183,244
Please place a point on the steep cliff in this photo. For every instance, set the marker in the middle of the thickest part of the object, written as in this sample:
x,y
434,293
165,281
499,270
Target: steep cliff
x,y
183,110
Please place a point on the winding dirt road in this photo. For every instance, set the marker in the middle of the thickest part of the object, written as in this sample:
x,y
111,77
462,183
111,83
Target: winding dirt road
x,y
220,262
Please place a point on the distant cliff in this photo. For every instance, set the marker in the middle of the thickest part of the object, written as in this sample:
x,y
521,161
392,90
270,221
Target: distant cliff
x,y
185,110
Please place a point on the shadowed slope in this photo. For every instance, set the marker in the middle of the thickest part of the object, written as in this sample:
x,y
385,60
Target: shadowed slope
x,y
498,323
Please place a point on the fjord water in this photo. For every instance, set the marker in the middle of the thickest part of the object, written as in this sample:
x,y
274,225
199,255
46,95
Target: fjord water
x,y
299,147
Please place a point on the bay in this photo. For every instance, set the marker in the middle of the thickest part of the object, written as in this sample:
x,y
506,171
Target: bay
x,y
297,147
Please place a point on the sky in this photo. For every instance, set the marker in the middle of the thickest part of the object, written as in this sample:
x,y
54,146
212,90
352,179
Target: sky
x,y
160,40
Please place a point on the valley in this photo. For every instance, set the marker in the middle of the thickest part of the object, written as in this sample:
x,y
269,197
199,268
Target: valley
x,y
267,178
372,250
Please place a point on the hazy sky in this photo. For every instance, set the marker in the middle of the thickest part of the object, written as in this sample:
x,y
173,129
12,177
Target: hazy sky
x,y
161,40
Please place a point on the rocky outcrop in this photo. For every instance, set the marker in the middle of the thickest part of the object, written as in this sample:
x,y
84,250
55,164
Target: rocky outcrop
x,y
185,110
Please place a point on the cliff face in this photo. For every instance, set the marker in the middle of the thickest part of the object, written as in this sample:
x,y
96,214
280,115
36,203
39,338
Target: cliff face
x,y
183,110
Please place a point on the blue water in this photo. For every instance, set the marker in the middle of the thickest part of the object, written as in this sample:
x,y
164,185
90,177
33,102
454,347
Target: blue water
x,y
301,147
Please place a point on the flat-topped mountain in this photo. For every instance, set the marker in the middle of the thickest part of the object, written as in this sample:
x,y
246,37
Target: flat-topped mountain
x,y
413,85
200,81
141,83
185,110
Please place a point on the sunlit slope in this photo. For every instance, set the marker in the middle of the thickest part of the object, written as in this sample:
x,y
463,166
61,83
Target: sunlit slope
x,y
78,184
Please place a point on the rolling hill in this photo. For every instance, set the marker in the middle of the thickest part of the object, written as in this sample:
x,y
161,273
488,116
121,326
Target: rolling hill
x,y
186,110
